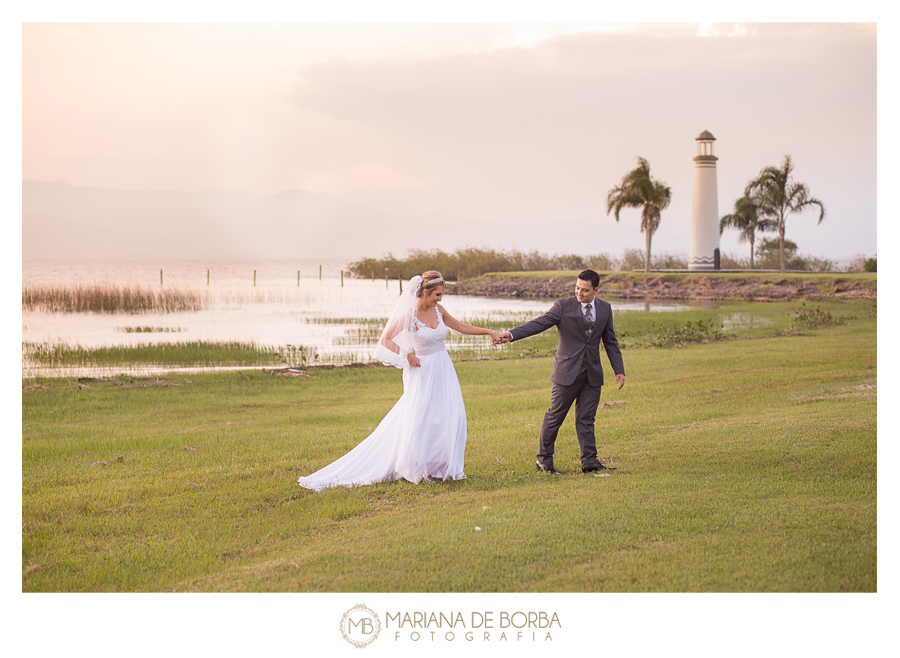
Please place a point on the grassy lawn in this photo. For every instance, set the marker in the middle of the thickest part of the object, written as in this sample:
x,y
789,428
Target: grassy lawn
x,y
743,465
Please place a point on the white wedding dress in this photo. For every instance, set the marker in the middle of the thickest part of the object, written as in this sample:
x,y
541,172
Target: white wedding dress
x,y
422,438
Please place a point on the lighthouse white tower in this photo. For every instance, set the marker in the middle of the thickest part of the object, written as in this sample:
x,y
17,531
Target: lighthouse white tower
x,y
705,207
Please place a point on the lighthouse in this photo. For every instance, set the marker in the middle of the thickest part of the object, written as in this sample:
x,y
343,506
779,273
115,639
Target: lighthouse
x,y
705,207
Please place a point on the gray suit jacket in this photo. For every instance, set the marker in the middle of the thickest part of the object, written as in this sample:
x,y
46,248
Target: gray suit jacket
x,y
575,347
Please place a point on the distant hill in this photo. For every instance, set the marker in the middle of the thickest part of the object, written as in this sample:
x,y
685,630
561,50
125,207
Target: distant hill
x,y
62,221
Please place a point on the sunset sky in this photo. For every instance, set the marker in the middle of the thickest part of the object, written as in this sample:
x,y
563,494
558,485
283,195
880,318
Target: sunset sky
x,y
525,124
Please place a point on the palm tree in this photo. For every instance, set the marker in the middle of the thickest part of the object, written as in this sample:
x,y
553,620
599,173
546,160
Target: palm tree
x,y
639,190
746,219
777,196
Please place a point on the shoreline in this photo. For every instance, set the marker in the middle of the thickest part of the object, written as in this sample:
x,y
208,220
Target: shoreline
x,y
744,286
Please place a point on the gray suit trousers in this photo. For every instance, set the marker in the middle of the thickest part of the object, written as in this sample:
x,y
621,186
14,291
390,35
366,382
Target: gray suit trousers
x,y
586,399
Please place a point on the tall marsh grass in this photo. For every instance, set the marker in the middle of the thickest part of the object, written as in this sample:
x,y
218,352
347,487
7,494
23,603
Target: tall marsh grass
x,y
148,330
110,298
190,353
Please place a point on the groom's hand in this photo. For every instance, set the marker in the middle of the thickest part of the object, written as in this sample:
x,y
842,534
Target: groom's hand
x,y
505,337
620,380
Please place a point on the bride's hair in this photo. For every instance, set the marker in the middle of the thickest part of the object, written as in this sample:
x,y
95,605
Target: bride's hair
x,y
430,281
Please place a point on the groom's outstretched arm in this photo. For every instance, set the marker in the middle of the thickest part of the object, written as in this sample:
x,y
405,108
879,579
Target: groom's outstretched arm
x,y
549,319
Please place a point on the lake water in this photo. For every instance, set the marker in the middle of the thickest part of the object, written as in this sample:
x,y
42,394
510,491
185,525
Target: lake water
x,y
278,310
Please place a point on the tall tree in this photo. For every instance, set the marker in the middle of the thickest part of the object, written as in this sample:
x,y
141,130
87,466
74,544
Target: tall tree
x,y
639,190
777,196
746,219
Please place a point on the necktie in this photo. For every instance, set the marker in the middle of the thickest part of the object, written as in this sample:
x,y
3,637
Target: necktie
x,y
588,318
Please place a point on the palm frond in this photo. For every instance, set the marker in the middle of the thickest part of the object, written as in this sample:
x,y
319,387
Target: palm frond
x,y
777,196
638,190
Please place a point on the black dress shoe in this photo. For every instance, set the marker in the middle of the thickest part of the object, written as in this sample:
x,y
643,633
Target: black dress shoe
x,y
549,470
601,467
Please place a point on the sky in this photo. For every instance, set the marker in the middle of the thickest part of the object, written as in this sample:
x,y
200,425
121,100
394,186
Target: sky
x,y
521,124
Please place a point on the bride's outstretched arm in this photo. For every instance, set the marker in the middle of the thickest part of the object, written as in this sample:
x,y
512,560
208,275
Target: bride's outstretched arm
x,y
388,335
464,328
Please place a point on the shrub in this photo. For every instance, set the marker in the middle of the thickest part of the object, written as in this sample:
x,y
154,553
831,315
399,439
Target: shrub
x,y
473,261
632,260
812,318
732,262
856,264
679,335
768,258
668,261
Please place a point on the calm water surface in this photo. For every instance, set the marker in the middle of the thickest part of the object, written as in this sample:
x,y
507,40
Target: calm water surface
x,y
279,310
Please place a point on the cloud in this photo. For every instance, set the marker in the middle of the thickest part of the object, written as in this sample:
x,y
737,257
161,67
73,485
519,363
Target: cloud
x,y
577,84
525,124
376,178
525,131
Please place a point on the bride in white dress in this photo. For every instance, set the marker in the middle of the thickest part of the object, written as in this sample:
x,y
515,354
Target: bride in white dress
x,y
424,436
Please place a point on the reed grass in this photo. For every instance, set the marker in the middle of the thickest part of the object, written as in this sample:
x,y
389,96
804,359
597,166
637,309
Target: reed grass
x,y
149,330
110,298
355,321
136,299
364,335
191,353
635,330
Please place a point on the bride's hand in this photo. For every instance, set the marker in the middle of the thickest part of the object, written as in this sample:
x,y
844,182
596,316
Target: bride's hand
x,y
500,339
413,360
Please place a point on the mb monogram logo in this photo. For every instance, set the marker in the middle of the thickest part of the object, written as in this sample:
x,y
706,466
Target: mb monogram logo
x,y
360,626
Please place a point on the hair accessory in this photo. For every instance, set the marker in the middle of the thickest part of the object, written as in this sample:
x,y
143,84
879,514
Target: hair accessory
x,y
434,281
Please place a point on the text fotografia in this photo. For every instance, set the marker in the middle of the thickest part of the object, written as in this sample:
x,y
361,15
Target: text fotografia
x,y
480,626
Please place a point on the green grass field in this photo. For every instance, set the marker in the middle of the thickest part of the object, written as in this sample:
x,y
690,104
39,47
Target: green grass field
x,y
743,465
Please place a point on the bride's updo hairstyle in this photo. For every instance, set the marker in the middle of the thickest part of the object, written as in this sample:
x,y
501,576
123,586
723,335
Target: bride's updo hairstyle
x,y
430,281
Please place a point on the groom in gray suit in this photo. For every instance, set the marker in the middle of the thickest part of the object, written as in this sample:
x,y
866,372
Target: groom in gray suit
x,y
582,321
